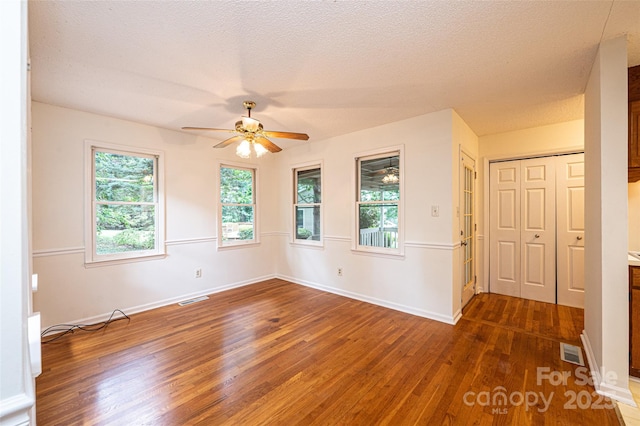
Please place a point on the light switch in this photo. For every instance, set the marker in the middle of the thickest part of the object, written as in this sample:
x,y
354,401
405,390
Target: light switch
x,y
435,211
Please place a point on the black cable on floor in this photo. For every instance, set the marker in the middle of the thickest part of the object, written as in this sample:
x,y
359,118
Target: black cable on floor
x,y
65,329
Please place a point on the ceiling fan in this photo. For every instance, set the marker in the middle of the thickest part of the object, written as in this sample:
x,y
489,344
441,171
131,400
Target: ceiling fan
x,y
250,133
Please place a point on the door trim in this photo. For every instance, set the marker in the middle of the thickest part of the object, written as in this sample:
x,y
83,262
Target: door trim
x,y
473,238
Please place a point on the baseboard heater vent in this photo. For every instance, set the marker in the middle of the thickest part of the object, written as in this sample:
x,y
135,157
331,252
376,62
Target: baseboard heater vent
x,y
571,353
194,300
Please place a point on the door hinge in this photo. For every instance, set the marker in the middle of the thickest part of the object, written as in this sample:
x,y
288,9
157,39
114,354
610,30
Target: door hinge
x,y
475,226
475,175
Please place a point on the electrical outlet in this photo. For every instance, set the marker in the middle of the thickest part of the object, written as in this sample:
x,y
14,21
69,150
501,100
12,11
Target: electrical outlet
x,y
339,272
198,273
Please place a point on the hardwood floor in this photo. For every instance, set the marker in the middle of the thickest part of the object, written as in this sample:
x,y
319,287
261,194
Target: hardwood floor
x,y
280,353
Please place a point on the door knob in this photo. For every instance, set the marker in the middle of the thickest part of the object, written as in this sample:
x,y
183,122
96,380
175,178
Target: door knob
x,y
579,237
464,243
537,235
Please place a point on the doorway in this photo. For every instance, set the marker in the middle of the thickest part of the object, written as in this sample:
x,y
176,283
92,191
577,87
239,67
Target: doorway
x,y
537,229
467,227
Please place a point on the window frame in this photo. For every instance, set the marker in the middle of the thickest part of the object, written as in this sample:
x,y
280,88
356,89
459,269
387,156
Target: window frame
x,y
391,151
223,245
299,168
92,258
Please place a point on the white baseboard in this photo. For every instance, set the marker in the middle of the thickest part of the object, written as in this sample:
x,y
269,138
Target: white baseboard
x,y
15,411
375,301
148,306
452,320
618,393
457,316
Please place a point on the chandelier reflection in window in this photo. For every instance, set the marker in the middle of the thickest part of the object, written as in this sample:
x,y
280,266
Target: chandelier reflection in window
x,y
391,178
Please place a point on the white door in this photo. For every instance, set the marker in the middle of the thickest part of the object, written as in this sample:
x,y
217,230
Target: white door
x,y
538,229
522,229
467,227
570,229
504,266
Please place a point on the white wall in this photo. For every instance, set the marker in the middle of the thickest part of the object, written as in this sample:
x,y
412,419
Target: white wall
x,y
420,281
17,387
554,138
634,216
69,292
606,334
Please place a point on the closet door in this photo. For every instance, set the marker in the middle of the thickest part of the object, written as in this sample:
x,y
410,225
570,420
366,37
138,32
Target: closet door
x,y
504,266
523,229
570,229
538,229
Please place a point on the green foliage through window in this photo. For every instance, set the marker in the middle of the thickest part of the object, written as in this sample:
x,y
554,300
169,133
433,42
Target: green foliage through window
x,y
308,198
238,203
125,202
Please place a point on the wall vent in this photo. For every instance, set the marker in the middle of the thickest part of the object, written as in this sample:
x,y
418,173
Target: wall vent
x,y
571,353
194,300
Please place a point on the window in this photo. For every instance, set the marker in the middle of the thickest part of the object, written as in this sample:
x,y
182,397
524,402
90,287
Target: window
x,y
307,204
378,202
125,216
237,206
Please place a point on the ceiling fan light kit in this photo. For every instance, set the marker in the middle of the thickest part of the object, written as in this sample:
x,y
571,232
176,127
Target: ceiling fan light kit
x,y
252,136
244,149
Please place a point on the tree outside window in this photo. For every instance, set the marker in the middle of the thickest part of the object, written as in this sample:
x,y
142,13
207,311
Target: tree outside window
x,y
124,213
237,205
307,203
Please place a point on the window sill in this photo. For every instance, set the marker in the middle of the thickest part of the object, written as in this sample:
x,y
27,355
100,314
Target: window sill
x,y
234,246
308,244
110,262
378,253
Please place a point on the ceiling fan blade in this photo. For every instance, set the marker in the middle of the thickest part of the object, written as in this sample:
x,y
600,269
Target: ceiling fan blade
x,y
229,141
208,128
270,146
287,135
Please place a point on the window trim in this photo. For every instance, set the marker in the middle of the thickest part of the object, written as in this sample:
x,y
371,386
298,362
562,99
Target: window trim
x,y
91,257
309,165
355,237
222,245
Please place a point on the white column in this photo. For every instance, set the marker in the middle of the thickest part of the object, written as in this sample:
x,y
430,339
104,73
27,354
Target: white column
x,y
17,393
606,334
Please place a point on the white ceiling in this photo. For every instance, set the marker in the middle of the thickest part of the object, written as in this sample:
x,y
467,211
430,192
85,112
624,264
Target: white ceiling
x,y
324,68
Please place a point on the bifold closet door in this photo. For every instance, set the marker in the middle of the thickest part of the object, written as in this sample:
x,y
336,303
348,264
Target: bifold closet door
x,y
570,229
504,266
538,232
523,229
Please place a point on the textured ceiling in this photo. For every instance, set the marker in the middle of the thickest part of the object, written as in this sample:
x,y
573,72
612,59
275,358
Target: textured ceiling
x,y
324,68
